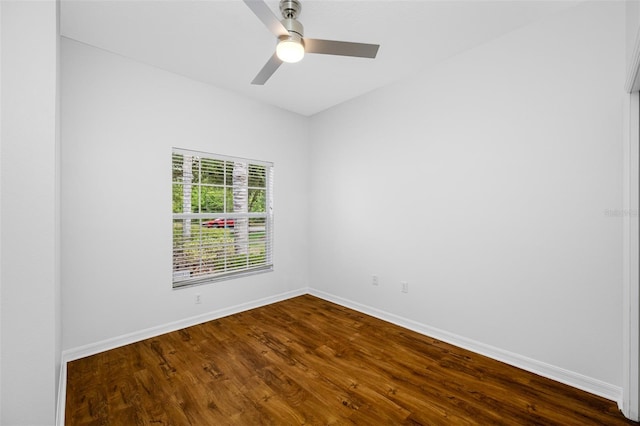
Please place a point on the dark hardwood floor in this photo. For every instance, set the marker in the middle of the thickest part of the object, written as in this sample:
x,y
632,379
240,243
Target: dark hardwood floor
x,y
308,361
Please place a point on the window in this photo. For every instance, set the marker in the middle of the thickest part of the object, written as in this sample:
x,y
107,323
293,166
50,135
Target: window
x,y
222,217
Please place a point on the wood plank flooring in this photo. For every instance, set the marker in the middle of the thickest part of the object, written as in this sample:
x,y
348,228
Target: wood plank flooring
x,y
306,361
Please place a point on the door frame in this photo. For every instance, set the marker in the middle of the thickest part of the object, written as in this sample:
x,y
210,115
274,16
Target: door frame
x,y
631,239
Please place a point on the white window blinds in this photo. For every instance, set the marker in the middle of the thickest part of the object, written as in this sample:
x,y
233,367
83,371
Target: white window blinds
x,y
222,217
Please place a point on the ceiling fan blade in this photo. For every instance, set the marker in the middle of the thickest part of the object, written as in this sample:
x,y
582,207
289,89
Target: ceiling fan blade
x,y
342,48
267,71
262,11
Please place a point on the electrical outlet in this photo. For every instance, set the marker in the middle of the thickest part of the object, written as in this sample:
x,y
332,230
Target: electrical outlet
x,y
198,299
374,280
404,286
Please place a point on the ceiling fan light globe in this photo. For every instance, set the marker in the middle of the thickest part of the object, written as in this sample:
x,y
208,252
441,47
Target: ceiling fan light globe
x,y
290,50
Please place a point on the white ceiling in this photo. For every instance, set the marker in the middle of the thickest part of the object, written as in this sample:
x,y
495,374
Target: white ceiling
x,y
222,43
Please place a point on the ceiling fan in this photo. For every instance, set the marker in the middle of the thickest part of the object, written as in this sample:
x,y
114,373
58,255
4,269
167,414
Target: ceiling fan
x,y
292,45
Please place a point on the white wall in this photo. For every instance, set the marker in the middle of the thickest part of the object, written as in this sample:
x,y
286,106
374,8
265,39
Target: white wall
x,y
29,307
484,183
119,121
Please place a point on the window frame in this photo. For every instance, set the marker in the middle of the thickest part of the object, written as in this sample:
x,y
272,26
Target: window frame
x,y
249,239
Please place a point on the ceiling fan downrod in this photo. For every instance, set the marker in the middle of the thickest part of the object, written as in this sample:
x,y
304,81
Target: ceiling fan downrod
x,y
290,9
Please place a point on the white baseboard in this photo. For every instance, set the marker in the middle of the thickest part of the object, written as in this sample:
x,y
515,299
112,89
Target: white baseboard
x,y
577,380
136,336
116,342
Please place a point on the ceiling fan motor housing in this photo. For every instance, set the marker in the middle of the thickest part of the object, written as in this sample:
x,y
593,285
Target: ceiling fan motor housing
x,y
293,26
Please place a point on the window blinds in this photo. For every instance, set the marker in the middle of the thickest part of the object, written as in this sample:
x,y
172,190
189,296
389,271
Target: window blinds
x,y
222,217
